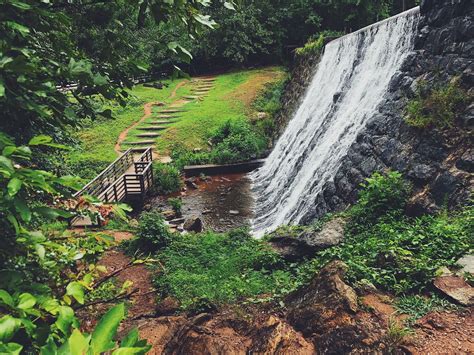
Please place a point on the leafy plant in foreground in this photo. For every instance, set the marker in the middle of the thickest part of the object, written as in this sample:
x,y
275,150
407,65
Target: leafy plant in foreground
x,y
152,234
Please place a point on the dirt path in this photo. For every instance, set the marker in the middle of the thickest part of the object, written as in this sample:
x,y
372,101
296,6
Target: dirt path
x,y
147,111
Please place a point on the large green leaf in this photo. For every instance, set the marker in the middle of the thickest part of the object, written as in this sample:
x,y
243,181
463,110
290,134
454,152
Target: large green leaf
x,y
78,344
6,298
106,329
76,290
26,301
10,349
66,319
8,327
14,185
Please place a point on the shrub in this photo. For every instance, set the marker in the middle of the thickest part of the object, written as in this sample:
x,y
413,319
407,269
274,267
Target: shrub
x,y
211,269
381,195
152,234
269,99
236,140
167,178
315,45
177,205
436,107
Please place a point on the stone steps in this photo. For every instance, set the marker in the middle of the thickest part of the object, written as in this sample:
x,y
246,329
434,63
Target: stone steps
x,y
149,142
171,111
148,135
158,122
166,116
192,97
152,128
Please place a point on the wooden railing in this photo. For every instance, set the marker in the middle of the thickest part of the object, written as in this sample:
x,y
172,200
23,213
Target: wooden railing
x,y
116,183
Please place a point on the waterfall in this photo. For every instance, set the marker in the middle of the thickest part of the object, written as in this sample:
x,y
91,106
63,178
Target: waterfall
x,y
351,80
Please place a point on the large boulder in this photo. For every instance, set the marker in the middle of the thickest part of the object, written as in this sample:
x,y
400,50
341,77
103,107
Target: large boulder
x,y
194,224
309,241
325,311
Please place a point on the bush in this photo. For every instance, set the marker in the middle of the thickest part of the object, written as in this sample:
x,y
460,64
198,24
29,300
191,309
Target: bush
x,y
177,205
167,178
315,45
381,195
236,140
152,234
269,100
416,306
210,269
436,107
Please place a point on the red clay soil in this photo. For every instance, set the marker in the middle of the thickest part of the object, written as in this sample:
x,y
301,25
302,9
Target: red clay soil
x,y
444,333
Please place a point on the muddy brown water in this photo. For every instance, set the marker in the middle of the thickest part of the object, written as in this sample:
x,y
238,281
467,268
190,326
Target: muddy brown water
x,y
223,202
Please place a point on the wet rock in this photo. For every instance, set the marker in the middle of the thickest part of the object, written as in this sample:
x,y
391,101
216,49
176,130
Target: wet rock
x,y
177,221
194,224
331,234
191,182
308,242
466,162
169,214
444,186
234,212
206,212
422,172
467,264
325,310
421,204
456,288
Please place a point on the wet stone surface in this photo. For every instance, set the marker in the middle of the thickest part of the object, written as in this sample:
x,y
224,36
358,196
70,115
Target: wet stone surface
x,y
222,202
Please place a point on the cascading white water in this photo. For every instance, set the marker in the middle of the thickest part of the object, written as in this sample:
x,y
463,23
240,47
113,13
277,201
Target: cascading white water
x,y
350,81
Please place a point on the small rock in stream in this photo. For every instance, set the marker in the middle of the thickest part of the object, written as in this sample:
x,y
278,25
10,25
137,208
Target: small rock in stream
x,y
234,212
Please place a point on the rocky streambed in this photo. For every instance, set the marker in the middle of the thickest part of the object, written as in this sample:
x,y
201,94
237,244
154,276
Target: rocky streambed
x,y
218,203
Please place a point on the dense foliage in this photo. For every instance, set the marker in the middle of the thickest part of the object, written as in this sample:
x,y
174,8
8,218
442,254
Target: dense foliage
x,y
210,269
167,178
437,106
393,251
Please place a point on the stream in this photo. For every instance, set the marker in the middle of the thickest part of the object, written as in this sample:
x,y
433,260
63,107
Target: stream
x,y
223,202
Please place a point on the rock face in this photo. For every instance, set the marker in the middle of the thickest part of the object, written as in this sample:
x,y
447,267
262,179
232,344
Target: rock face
x,y
326,312
440,163
456,288
309,241
194,224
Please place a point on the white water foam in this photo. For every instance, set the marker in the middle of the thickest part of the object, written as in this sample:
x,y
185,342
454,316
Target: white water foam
x,y
351,80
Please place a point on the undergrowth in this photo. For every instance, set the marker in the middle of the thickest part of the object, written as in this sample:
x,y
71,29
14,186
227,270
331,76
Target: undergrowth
x,y
416,306
209,269
437,106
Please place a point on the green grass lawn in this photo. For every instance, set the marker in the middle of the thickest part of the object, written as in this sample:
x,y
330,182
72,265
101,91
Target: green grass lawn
x,y
98,140
230,98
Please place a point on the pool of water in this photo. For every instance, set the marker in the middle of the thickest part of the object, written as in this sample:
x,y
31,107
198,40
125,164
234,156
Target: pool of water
x,y
223,202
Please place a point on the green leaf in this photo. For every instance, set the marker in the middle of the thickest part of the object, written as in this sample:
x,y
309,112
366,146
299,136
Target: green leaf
x,y
20,4
22,208
130,339
131,351
229,5
106,329
66,319
40,250
40,140
14,186
10,349
6,166
8,327
52,213
78,344
76,290
2,89
26,301
6,299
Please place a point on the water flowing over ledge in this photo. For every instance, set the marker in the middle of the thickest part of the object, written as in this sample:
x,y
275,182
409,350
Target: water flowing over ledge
x,y
350,82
